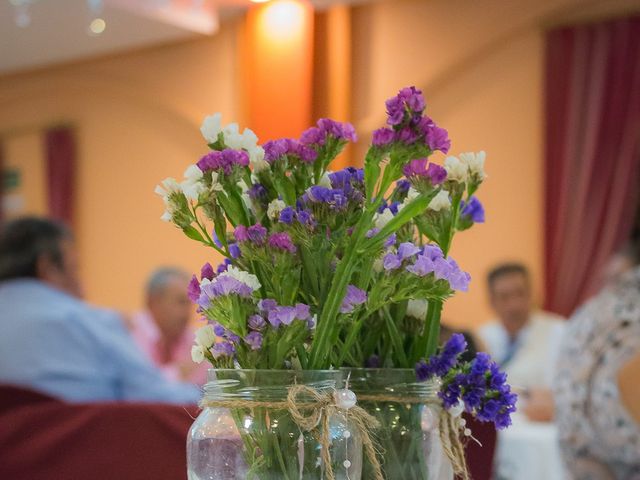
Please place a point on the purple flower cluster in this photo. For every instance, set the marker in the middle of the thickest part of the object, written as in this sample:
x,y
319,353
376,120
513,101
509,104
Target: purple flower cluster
x,y
483,389
431,260
335,198
301,215
391,239
256,234
408,125
406,251
326,127
274,150
350,181
353,298
258,193
223,349
221,286
420,169
254,340
402,186
223,161
283,315
282,241
473,210
439,365
193,289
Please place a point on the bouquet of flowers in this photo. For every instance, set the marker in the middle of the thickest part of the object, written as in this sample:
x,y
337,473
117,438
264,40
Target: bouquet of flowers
x,y
325,269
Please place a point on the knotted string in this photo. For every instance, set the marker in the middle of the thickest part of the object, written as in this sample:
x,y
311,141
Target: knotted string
x,y
319,407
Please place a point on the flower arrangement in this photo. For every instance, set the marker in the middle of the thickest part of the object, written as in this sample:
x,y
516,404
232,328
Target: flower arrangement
x,y
325,269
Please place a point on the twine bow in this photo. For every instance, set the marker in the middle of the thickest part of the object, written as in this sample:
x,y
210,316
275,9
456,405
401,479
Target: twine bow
x,y
320,408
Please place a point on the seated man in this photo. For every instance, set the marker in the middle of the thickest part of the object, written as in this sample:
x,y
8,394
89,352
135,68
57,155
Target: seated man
x,y
163,331
523,341
52,341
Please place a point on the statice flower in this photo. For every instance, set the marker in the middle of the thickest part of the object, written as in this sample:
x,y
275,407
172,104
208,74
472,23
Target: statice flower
x,y
440,364
223,349
257,234
223,285
258,193
334,198
438,139
275,150
256,322
193,289
223,267
207,271
285,315
353,298
325,128
254,340
432,260
409,102
420,169
473,210
402,186
241,234
224,161
383,137
234,250
282,241
287,215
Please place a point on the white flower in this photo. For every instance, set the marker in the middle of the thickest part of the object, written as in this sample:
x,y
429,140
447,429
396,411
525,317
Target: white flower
x,y
192,186
197,354
232,136
249,139
417,309
275,207
381,219
475,163
456,170
325,181
203,282
256,158
440,202
412,193
168,187
242,276
378,264
205,337
211,127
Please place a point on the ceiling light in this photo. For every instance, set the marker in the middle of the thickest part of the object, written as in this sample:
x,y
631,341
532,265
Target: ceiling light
x,y
259,1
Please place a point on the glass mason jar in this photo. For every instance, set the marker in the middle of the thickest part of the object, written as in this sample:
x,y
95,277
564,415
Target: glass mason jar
x,y
259,442
409,435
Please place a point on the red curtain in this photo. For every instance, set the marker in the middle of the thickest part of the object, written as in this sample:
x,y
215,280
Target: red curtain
x,y
2,182
60,151
592,156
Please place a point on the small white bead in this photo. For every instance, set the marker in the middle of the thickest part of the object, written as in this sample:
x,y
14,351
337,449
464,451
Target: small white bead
x,y
467,432
346,464
462,422
457,410
345,399
346,434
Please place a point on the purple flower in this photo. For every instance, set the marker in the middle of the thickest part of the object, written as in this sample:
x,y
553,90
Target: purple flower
x,y
354,297
282,241
473,210
312,136
193,290
234,250
438,139
219,330
267,304
224,285
223,161
383,137
436,173
402,186
407,135
207,272
258,193
223,266
307,154
407,250
254,340
256,322
391,262
302,311
285,315
286,215
257,234
408,100
373,362
390,241
341,131
216,240
241,233
275,149
223,349
440,364
422,266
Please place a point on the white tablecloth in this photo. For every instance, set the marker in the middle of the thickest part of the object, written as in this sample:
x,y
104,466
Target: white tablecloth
x,y
528,451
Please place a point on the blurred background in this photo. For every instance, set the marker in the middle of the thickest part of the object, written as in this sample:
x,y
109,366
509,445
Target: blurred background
x,y
100,100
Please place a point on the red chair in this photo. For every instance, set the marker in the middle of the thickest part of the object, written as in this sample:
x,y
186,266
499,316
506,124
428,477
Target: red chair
x,y
42,438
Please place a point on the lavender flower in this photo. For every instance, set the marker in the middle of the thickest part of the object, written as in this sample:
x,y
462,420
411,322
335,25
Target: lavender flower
x,y
473,210
282,241
254,340
439,365
193,290
207,272
382,137
354,297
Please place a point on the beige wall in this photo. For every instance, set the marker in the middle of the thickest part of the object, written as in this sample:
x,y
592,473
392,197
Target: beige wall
x,y
137,115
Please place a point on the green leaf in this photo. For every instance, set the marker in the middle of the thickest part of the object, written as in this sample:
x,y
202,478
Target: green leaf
x,y
193,234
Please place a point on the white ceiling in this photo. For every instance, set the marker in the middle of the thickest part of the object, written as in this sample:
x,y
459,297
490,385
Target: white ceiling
x,y
58,29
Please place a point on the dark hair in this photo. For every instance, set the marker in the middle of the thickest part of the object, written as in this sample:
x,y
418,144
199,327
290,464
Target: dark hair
x,y
506,269
160,277
23,241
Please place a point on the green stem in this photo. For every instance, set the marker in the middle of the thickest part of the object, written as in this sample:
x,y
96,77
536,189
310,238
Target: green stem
x,y
427,343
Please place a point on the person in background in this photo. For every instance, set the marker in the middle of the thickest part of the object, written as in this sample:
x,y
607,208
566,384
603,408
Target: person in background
x,y
597,387
163,331
523,341
52,341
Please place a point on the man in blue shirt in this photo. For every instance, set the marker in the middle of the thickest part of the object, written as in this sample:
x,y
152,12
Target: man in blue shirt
x,y
52,341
